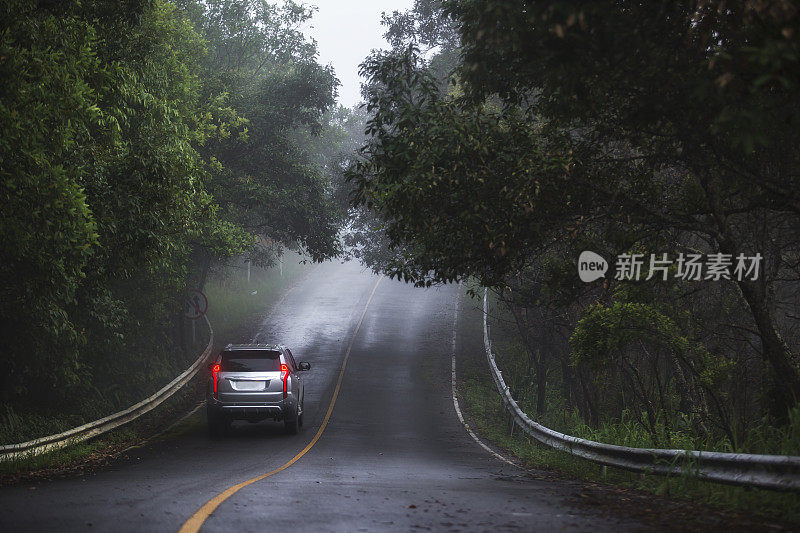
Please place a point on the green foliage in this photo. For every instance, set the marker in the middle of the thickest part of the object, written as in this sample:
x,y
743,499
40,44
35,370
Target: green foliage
x,y
142,141
47,231
261,75
604,331
480,403
484,178
608,126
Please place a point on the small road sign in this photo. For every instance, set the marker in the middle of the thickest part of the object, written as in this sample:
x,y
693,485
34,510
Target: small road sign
x,y
196,304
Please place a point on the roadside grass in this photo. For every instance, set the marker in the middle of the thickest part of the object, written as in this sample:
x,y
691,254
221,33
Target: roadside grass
x,y
232,304
84,455
64,456
16,427
102,399
487,415
232,308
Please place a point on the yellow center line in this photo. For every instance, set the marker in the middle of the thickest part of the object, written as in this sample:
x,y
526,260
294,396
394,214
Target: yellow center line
x,y
197,519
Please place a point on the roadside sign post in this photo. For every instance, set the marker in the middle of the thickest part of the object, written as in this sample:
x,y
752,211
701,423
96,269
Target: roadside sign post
x,y
196,307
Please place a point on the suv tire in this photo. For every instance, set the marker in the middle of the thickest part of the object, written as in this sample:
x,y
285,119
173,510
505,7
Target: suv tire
x,y
292,423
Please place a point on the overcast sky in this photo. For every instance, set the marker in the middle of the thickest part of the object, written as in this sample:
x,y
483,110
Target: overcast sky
x,y
346,31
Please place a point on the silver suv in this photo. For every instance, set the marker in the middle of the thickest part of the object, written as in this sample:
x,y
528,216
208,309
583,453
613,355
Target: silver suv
x,y
254,382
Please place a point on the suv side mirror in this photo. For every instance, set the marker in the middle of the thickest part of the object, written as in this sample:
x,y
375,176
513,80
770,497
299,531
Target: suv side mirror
x,y
304,366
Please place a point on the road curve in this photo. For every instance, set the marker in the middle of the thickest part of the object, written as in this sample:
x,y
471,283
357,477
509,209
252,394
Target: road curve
x,y
392,457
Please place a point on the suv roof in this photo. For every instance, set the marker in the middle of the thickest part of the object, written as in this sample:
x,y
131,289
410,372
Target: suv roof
x,y
271,347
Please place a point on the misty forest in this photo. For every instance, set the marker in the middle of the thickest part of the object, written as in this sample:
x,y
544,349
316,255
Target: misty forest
x,y
149,147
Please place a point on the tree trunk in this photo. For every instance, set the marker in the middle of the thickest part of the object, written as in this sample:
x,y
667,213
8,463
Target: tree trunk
x,y
568,382
541,386
592,412
776,351
539,358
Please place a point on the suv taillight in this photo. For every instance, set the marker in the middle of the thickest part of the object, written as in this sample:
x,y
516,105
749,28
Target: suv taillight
x,y
215,375
284,377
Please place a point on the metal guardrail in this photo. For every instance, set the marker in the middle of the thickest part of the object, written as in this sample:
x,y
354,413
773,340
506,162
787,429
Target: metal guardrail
x,y
765,471
98,427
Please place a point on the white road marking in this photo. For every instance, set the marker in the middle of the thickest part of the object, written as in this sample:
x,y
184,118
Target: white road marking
x,y
453,389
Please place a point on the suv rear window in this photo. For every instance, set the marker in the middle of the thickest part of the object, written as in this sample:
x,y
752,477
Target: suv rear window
x,y
251,361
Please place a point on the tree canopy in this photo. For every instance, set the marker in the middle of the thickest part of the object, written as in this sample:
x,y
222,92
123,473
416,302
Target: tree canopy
x,y
607,126
142,140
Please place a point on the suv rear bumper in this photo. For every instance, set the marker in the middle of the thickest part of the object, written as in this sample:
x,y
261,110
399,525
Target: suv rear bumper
x,y
240,411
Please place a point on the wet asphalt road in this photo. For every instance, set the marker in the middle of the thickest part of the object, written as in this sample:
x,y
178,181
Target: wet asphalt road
x,y
393,457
